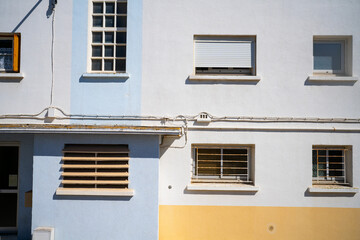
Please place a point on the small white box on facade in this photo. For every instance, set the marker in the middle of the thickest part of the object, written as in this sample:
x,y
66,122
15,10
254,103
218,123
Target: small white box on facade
x,y
203,117
50,113
43,233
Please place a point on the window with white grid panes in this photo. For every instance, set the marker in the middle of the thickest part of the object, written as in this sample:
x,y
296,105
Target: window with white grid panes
x,y
221,163
108,36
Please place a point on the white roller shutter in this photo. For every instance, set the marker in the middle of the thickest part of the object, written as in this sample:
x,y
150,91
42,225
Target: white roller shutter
x,y
227,54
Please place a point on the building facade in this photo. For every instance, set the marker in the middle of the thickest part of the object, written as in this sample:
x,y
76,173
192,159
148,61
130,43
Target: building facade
x,y
179,119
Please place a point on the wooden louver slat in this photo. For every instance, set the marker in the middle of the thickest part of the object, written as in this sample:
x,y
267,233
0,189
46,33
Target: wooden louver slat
x,y
95,174
77,182
95,158
95,166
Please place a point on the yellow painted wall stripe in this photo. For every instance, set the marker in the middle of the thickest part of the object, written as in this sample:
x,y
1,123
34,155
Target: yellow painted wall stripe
x,y
230,223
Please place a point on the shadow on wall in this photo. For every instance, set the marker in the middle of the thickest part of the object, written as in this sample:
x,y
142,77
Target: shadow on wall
x,y
92,198
309,194
102,80
309,82
225,82
48,12
247,193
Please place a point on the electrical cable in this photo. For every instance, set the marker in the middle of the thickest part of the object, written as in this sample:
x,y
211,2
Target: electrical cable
x,y
52,54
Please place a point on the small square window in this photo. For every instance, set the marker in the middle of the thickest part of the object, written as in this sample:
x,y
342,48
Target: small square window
x,y
225,55
9,52
331,165
222,163
332,55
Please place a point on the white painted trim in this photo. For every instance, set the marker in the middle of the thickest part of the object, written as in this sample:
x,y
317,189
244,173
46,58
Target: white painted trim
x,y
319,189
110,130
95,192
304,129
89,36
222,187
329,78
224,77
11,76
106,75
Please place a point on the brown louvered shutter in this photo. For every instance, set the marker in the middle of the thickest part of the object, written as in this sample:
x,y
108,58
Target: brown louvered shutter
x,y
95,166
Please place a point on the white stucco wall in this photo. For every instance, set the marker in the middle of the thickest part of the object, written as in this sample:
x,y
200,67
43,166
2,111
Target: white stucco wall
x,y
284,31
283,169
31,94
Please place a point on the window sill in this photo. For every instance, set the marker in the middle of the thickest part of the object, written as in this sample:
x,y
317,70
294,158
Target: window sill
x,y
95,192
224,77
106,75
332,189
330,79
234,187
15,76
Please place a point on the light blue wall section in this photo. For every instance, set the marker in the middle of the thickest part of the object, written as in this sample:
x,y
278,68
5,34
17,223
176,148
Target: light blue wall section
x,y
97,217
106,96
25,179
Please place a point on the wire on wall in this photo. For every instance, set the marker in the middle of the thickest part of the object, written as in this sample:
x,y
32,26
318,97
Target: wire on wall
x,y
52,52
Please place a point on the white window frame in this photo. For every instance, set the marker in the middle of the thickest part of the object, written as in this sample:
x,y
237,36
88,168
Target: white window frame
x,y
332,180
342,60
247,178
246,71
103,30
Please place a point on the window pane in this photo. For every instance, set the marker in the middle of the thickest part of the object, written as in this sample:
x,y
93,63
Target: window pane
x,y
109,37
109,51
6,52
97,37
121,21
108,65
120,65
121,37
110,8
98,8
109,21
96,65
5,47
96,51
120,51
327,56
97,21
6,62
314,163
121,8
233,171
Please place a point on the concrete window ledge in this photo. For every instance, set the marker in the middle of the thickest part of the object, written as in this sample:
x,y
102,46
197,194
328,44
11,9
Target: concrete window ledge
x,y
333,189
224,77
15,76
95,192
106,75
330,79
221,187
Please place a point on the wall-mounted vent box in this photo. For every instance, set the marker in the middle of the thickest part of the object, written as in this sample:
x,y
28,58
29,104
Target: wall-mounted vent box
x,y
43,233
203,117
